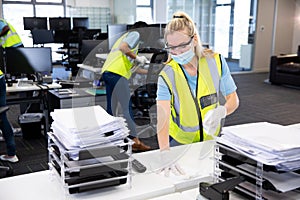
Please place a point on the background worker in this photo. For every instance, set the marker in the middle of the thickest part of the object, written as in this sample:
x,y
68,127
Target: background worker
x,y
117,70
8,38
8,35
188,107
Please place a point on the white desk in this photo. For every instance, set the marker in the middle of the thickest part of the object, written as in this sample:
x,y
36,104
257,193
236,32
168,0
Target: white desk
x,y
40,185
195,159
14,88
90,68
24,94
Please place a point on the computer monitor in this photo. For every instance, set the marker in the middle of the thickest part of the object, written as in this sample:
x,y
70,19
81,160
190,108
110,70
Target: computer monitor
x,y
42,36
28,60
31,23
92,34
82,22
88,46
115,31
60,23
62,36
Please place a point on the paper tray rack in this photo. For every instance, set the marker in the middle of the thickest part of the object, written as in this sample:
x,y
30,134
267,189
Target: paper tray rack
x,y
90,168
227,165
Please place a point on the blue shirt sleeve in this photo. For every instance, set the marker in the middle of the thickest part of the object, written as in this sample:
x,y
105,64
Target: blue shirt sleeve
x,y
132,39
2,25
227,84
163,92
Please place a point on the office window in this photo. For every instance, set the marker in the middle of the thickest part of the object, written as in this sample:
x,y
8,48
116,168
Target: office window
x,y
226,25
49,1
221,36
143,2
223,1
144,11
14,11
14,14
49,10
18,0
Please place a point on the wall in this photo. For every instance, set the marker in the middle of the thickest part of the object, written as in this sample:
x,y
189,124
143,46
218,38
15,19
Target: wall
x,y
284,27
263,36
296,33
1,13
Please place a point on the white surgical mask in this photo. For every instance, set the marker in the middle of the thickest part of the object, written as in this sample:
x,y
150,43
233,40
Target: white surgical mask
x,y
185,57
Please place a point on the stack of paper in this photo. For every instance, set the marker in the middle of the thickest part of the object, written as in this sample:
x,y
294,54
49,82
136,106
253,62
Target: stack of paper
x,y
271,144
87,126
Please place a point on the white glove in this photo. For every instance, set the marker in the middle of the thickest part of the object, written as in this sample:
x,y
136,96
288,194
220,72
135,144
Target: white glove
x,y
212,119
173,168
141,60
169,164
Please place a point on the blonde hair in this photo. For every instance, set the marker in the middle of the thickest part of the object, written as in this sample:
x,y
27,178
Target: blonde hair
x,y
183,22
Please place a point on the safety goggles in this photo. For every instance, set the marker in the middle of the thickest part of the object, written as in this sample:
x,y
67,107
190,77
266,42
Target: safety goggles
x,y
179,47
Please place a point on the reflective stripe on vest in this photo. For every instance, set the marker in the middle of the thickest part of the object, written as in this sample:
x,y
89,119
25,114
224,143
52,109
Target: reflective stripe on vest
x,y
117,62
186,111
11,38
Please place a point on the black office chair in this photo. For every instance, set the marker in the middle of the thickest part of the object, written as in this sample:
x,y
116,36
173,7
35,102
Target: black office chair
x,y
145,96
4,171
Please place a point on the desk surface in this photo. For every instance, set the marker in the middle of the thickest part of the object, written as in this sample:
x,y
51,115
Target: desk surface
x,y
43,185
195,159
34,87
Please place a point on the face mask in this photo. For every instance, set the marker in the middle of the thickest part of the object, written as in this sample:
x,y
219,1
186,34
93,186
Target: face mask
x,y
185,57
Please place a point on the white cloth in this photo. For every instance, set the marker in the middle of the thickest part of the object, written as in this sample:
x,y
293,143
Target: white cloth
x,y
213,118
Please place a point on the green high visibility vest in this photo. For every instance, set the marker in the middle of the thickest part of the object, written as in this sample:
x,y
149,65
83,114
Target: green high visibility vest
x,y
117,62
187,110
11,39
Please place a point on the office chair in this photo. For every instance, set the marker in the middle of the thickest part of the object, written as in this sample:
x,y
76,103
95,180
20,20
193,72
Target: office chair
x,y
4,171
144,97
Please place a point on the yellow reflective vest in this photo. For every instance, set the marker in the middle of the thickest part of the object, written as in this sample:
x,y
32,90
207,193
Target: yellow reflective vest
x,y
11,39
118,63
1,73
187,110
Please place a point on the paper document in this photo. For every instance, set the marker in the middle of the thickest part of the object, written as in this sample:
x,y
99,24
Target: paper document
x,y
283,182
271,144
82,127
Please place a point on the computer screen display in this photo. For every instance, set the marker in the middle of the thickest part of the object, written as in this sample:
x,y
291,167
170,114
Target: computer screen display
x,y
28,60
31,23
62,36
81,22
60,23
90,48
41,36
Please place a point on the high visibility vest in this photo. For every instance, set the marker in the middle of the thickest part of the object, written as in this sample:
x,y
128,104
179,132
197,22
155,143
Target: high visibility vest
x,y
11,39
187,110
117,62
1,73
